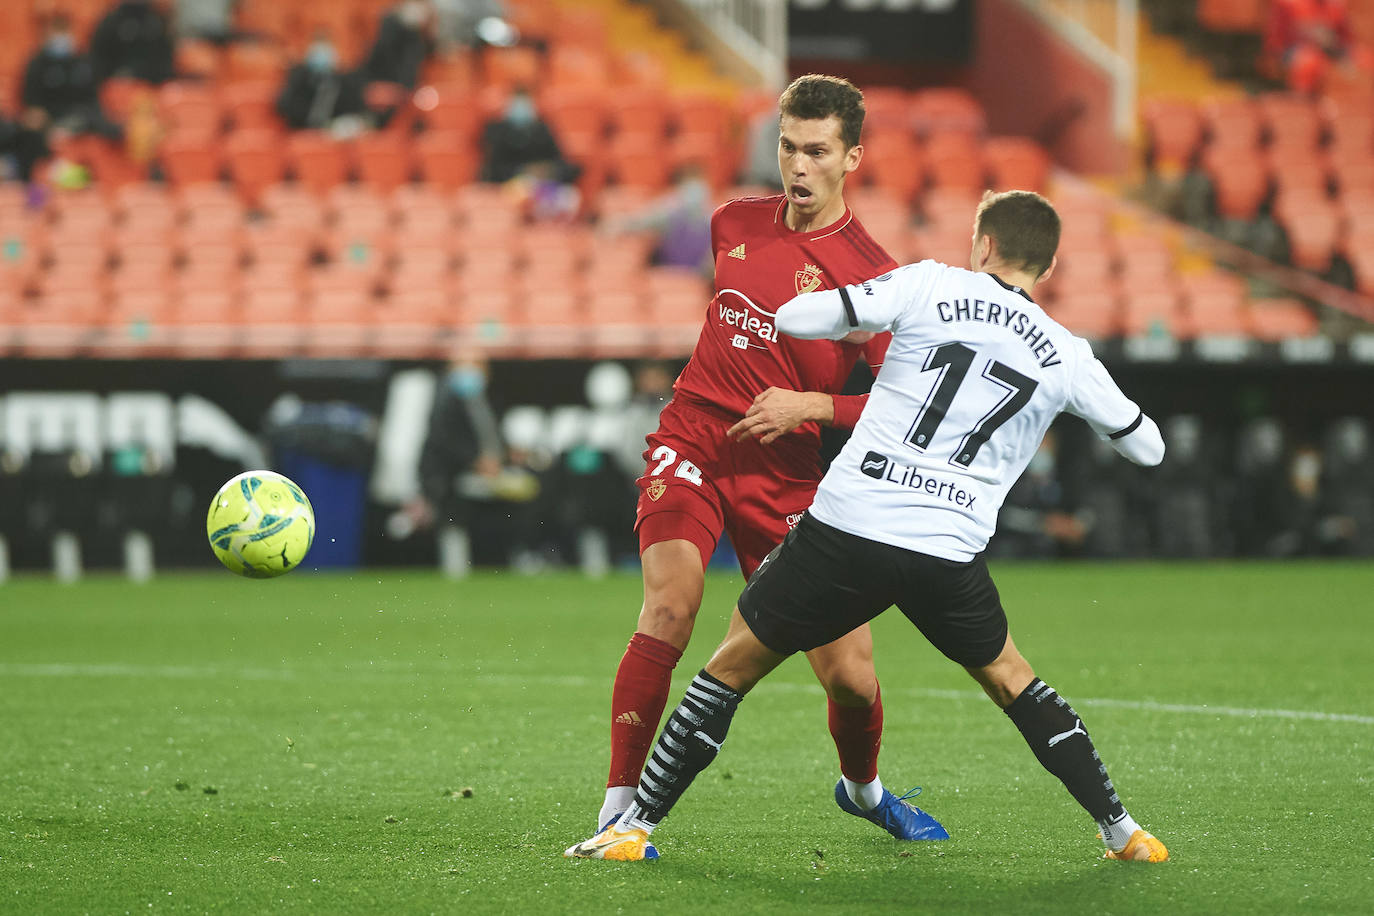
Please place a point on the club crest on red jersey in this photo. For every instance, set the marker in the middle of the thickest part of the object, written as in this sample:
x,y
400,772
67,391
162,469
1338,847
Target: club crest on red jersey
x,y
656,488
808,279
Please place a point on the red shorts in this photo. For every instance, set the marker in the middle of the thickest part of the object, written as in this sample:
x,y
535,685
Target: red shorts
x,y
697,482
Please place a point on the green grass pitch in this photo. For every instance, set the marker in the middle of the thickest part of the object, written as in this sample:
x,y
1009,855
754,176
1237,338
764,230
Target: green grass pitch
x,y
209,744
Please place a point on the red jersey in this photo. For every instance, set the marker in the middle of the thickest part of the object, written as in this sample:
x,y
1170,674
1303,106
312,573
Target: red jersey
x,y
761,264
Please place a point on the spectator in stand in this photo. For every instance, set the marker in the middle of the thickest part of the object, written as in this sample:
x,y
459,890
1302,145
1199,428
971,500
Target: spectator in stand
x,y
1306,38
134,40
316,92
518,141
212,20
59,97
681,220
480,496
472,23
402,44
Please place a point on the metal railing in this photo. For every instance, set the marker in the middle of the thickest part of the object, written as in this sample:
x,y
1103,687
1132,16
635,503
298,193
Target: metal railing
x,y
1104,31
755,30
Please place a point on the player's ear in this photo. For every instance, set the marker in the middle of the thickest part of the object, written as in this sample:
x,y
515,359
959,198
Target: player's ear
x,y
1054,262
852,157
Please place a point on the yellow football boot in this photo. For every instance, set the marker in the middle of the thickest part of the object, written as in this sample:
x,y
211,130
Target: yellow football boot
x,y
1141,847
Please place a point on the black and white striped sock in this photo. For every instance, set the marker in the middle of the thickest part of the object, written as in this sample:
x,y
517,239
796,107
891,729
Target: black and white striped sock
x,y
1060,742
688,743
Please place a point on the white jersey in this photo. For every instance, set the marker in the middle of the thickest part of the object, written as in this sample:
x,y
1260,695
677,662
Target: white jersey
x,y
975,374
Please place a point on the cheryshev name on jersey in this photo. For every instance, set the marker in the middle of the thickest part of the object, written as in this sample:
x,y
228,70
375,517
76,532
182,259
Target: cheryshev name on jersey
x,y
1020,324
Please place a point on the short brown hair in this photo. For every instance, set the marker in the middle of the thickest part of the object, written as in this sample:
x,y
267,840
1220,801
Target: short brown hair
x,y
1024,225
815,97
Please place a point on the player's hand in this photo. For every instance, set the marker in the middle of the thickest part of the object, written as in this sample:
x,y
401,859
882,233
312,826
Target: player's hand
x,y
858,337
778,411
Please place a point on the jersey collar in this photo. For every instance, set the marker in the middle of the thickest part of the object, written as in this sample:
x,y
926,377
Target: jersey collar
x,y
1011,289
815,235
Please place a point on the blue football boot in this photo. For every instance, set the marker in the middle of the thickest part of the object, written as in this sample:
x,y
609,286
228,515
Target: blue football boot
x,y
896,815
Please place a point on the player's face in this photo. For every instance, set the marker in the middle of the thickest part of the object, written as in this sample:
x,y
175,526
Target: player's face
x,y
813,162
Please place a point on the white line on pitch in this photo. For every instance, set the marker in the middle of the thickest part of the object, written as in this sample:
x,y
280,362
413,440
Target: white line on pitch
x,y
578,681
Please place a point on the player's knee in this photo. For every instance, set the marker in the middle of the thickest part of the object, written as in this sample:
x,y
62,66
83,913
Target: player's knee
x,y
668,620
852,688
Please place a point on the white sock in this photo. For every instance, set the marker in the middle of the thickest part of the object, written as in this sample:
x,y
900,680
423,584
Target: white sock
x,y
618,798
1116,834
866,795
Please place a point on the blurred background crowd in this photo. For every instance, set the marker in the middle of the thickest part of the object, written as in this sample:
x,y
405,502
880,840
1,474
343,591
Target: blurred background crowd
x,y
440,260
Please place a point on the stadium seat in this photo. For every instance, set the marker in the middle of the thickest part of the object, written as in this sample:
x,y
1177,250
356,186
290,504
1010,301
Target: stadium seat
x,y
317,161
1282,319
1091,313
382,160
189,107
1298,171
947,110
889,109
270,241
197,59
256,61
954,160
704,113
289,204
575,107
251,105
1240,180
1016,163
1152,313
1291,121
1232,122
446,159
191,159
506,68
893,161
578,66
254,161
639,110
1313,225
1174,134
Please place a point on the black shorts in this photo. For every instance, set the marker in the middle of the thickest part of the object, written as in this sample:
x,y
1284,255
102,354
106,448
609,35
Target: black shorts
x,y
821,583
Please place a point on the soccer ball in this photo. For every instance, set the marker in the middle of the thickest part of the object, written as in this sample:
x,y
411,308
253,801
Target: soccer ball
x,y
260,525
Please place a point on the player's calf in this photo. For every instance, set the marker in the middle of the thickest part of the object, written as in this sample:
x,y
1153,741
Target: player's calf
x,y
1060,742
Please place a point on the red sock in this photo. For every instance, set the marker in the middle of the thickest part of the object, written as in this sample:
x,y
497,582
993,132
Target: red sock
x,y
858,733
637,701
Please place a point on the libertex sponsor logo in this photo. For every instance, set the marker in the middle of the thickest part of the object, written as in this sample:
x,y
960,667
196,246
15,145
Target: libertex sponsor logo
x,y
736,310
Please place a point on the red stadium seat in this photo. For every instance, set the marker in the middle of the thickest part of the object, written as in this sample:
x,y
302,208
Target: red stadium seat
x,y
198,59
383,161
889,109
1232,122
1152,313
947,110
1016,163
579,66
251,105
955,161
256,61
1313,224
506,68
1281,319
255,161
191,159
639,110
893,161
1291,120
446,159
1240,178
1174,133
189,107
317,160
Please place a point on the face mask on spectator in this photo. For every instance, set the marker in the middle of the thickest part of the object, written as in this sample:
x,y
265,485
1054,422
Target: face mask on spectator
x,y
520,111
321,57
61,45
466,381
